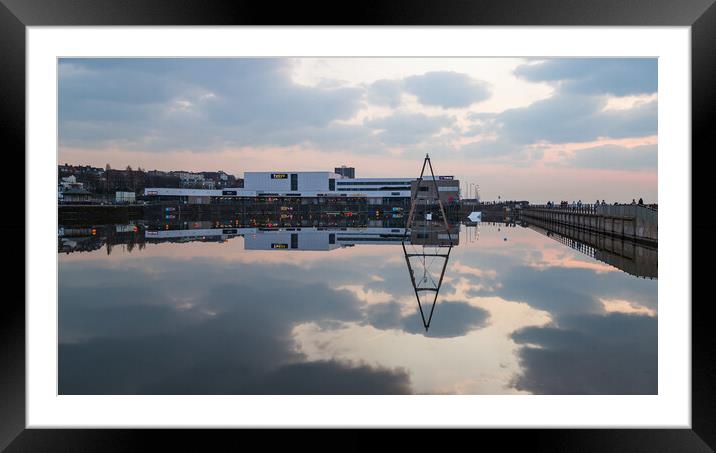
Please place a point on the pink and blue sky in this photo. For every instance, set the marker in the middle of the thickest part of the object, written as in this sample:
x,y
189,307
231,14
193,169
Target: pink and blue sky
x,y
554,129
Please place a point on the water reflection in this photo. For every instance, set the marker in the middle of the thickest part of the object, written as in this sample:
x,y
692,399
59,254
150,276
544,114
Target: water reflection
x,y
633,258
426,248
213,306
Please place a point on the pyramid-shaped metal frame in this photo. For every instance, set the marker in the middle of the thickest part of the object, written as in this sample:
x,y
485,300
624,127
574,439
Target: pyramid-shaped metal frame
x,y
445,256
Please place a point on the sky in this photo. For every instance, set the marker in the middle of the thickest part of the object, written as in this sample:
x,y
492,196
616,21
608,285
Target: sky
x,y
526,129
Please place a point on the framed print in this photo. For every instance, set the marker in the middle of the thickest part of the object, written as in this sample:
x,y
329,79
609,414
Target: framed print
x,y
443,217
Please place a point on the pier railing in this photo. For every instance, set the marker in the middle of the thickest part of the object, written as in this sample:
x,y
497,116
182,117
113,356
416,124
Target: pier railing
x,y
588,208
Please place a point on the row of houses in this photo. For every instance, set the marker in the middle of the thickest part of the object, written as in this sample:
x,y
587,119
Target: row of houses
x,y
86,183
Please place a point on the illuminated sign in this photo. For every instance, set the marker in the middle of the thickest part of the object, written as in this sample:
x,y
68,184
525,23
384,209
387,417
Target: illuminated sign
x,y
444,178
279,175
152,192
228,192
279,246
229,231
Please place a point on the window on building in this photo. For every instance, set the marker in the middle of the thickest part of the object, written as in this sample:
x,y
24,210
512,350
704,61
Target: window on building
x,y
294,181
331,184
294,241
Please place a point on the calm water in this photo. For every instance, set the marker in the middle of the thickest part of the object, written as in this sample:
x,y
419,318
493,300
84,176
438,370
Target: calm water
x,y
221,311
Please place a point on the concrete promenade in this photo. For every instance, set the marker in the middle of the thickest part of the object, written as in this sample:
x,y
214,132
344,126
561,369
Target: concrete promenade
x,y
635,222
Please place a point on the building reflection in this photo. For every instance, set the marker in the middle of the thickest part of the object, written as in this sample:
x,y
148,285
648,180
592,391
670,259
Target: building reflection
x,y
274,234
270,234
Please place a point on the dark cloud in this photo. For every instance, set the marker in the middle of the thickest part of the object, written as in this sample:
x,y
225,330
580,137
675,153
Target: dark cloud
x,y
576,112
333,378
491,148
447,89
615,76
450,318
192,103
613,354
385,315
571,291
566,118
111,311
585,350
616,158
235,336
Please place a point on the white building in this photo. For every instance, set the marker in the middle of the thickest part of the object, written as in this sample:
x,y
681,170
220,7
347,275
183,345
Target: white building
x,y
306,238
124,197
189,179
308,184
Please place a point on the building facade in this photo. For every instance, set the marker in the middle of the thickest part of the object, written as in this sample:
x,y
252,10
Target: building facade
x,y
346,172
448,189
316,184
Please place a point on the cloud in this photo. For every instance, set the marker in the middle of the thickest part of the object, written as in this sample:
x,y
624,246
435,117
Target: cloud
x,y
408,128
450,319
571,291
447,89
491,148
614,76
385,92
616,157
333,378
246,104
615,354
216,332
567,118
585,350
576,113
196,104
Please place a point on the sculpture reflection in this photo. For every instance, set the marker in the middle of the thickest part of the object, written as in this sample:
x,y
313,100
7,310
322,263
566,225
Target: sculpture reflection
x,y
426,255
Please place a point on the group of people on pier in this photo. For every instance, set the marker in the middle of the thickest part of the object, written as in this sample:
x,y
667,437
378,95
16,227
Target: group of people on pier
x,y
578,204
566,204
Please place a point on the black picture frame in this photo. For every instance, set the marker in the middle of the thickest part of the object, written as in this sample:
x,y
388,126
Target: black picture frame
x,y
16,15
